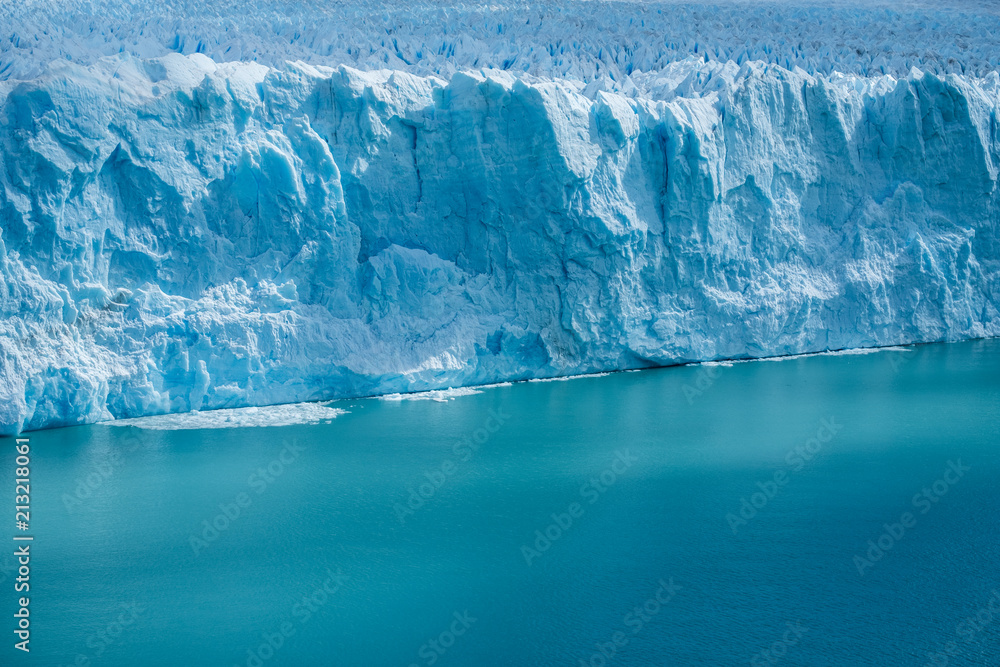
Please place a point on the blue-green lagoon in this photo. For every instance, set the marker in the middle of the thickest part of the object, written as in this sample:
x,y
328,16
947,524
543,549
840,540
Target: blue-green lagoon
x,y
832,510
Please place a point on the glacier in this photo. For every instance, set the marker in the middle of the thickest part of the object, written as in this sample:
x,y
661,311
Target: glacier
x,y
582,39
182,232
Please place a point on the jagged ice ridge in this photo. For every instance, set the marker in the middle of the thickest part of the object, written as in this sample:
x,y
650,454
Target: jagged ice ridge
x,y
623,43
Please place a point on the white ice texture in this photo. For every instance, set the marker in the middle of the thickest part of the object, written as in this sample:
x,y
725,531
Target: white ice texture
x,y
184,232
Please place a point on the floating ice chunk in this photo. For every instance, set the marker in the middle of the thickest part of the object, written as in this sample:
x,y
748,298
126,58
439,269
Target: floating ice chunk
x,y
271,415
439,395
564,378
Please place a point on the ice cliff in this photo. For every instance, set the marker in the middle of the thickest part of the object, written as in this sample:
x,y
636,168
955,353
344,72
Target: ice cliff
x,y
181,234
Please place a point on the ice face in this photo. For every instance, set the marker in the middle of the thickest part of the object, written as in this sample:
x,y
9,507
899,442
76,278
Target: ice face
x,y
181,234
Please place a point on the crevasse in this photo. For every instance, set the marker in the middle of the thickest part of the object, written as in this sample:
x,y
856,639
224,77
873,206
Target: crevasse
x,y
180,234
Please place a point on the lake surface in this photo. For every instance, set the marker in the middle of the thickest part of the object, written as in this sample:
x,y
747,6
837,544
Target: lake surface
x,y
826,510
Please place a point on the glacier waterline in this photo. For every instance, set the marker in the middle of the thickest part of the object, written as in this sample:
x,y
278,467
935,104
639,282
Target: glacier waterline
x,y
180,234
290,414
904,415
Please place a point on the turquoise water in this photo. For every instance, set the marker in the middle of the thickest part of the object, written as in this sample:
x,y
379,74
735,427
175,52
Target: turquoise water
x,y
638,479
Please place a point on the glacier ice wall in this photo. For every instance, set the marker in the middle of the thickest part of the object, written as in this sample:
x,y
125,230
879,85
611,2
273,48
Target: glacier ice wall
x,y
182,234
